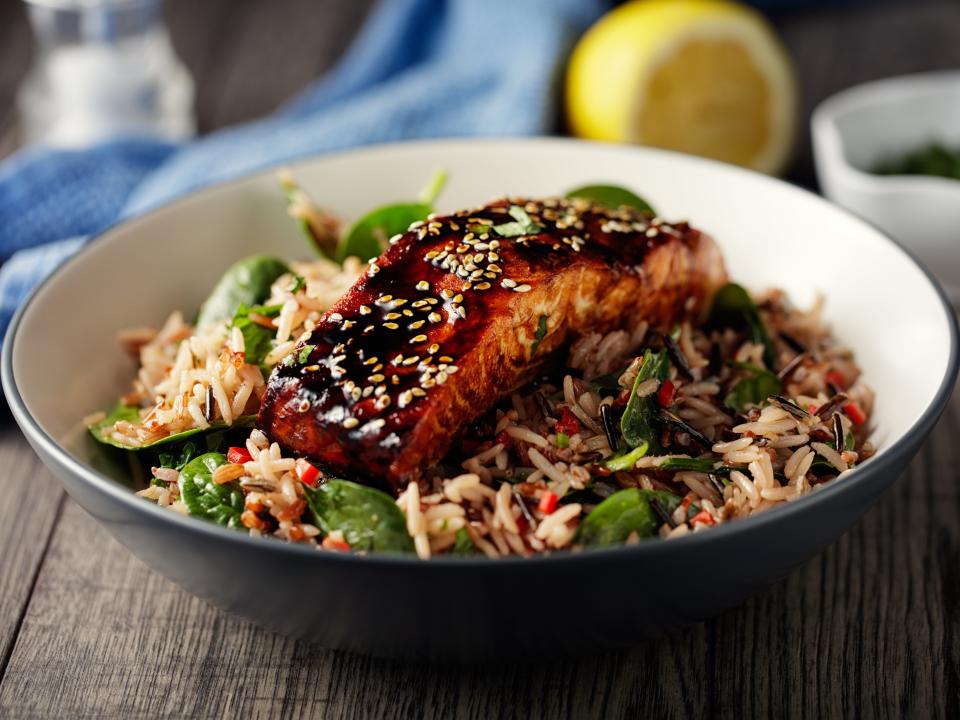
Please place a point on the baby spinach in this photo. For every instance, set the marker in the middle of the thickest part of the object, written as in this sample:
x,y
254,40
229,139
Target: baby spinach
x,y
733,307
257,339
626,459
540,335
753,389
623,513
247,282
464,545
522,224
369,519
611,196
187,453
368,236
101,429
640,418
223,504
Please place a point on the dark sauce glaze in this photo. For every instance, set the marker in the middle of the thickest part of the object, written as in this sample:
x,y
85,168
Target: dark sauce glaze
x,y
362,378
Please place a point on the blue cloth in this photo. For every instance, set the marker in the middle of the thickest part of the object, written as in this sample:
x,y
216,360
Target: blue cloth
x,y
418,69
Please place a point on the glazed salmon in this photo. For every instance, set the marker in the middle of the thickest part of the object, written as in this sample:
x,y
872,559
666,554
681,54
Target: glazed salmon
x,y
462,308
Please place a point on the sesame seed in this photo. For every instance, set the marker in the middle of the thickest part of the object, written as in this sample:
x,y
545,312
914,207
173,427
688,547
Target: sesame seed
x,y
397,360
433,348
446,359
395,379
416,325
418,392
419,304
356,394
423,285
382,402
458,298
418,339
335,317
494,268
446,294
407,312
482,286
304,405
347,324
368,391
383,299
365,310
399,301
522,288
508,283
350,423
461,311
493,257
375,424
395,239
405,397
374,269
391,325
441,378
451,369
431,255
391,316
433,301
368,329
434,317
311,368
370,361
378,367
412,360
378,378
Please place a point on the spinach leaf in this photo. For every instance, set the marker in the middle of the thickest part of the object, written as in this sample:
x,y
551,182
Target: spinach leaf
x,y
611,196
101,429
368,518
753,389
625,512
187,452
540,335
640,420
626,459
464,545
257,339
704,465
368,236
521,225
733,307
247,282
223,504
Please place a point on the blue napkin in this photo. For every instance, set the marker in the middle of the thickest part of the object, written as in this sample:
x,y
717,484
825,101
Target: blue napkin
x,y
418,69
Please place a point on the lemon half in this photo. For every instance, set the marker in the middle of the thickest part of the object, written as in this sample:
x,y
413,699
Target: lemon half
x,y
706,77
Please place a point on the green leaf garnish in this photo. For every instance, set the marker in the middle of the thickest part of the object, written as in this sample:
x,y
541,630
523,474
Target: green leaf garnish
x,y
187,453
626,459
521,225
464,545
622,514
611,196
303,354
539,336
299,283
257,339
369,519
934,160
223,504
640,421
753,389
563,440
247,282
733,307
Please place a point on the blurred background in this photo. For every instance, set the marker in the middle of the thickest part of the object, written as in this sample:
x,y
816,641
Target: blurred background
x,y
737,81
246,57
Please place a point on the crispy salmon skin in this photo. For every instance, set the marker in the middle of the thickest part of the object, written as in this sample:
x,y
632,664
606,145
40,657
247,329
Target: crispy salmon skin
x,y
462,308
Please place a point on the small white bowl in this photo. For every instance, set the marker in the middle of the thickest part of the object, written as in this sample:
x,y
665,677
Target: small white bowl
x,y
855,130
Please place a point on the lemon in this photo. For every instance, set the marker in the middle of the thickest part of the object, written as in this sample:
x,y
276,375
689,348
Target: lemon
x,y
707,77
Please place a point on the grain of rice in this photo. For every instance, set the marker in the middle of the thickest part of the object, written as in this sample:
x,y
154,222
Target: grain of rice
x,y
519,432
830,455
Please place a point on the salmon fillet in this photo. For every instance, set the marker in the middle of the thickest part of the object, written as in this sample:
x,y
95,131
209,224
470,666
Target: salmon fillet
x,y
462,308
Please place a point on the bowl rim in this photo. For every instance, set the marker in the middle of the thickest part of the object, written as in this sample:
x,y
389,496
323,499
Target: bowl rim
x,y
52,451
830,144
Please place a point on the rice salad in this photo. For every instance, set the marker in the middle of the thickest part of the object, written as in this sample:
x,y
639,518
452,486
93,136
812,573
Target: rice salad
x,y
629,435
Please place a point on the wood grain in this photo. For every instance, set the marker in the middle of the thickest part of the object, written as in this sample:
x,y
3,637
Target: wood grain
x,y
871,628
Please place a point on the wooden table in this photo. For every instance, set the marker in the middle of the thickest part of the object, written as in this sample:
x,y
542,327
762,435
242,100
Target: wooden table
x,y
871,627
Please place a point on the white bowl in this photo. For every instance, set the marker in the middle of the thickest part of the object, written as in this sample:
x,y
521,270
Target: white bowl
x,y
855,130
61,362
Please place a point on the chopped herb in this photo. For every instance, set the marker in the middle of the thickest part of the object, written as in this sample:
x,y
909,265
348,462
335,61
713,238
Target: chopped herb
x,y
303,354
432,190
522,224
563,440
612,197
463,544
299,283
934,160
540,335
626,459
